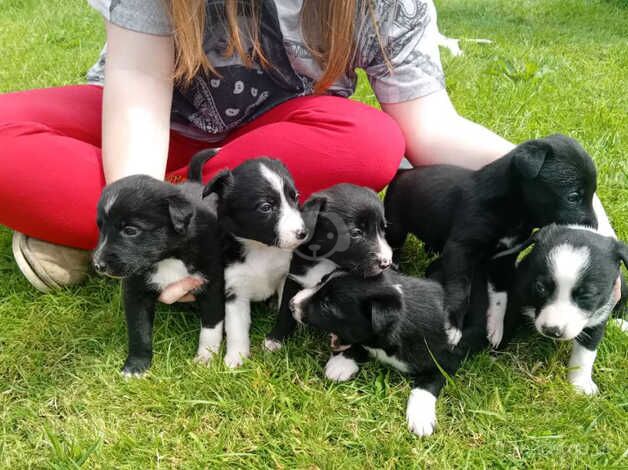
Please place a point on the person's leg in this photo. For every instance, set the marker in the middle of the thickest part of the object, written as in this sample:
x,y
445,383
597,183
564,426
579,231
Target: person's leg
x,y
323,140
50,163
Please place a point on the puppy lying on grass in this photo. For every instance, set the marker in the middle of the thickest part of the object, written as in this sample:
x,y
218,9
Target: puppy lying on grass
x,y
397,319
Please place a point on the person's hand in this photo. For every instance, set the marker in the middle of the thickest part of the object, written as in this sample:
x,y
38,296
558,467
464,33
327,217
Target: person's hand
x,y
180,291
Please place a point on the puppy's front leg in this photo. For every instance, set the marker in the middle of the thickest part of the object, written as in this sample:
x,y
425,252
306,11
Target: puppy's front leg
x,y
459,262
139,308
582,357
237,324
212,311
285,324
421,409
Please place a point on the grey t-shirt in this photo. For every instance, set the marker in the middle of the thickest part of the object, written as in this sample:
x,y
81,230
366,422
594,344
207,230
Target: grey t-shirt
x,y
211,106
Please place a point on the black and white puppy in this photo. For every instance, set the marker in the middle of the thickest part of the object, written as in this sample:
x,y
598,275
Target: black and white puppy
x,y
463,214
347,228
152,234
259,214
396,319
564,286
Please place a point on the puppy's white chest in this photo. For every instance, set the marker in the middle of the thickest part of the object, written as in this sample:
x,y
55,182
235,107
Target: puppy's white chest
x,y
170,270
314,275
260,275
392,361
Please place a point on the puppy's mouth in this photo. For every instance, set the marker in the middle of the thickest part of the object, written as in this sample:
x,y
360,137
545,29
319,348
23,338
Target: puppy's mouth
x,y
336,344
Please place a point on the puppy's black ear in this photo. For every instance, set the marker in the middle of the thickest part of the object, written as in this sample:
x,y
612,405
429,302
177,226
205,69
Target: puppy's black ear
x,y
310,210
383,306
181,212
622,252
529,157
220,184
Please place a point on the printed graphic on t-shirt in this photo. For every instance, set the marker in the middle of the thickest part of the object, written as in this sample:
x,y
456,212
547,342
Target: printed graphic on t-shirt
x,y
214,104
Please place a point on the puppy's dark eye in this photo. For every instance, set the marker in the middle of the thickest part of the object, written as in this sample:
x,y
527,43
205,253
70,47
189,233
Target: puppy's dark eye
x,y
355,233
584,294
540,289
265,207
574,197
130,231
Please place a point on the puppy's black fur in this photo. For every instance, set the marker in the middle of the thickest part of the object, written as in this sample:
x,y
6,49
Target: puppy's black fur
x,y
463,214
258,211
153,233
397,319
564,288
347,229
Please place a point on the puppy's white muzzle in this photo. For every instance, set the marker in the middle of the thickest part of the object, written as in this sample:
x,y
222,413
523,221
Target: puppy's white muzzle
x,y
296,303
561,320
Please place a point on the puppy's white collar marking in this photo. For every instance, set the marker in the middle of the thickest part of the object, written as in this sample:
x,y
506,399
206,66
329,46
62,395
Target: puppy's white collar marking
x,y
392,361
421,412
314,275
170,270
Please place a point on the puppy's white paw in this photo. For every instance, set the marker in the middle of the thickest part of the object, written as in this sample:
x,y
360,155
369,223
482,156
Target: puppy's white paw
x,y
235,359
421,412
340,368
585,386
132,375
208,343
495,316
204,356
272,345
453,335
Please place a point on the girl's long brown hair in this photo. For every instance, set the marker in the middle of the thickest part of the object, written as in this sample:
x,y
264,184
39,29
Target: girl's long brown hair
x,y
328,27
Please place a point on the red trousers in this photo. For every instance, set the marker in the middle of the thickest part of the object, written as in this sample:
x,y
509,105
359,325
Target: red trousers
x,y
51,171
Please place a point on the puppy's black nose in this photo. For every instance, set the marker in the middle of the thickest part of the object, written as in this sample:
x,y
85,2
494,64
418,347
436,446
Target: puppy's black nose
x,y
385,263
552,331
100,267
301,234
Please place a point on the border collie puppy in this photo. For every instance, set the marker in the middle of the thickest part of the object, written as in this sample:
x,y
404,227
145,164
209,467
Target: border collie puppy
x,y
564,286
347,229
259,214
154,233
396,319
463,214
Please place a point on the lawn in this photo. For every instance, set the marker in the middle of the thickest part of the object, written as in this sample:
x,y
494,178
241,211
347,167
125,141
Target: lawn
x,y
554,66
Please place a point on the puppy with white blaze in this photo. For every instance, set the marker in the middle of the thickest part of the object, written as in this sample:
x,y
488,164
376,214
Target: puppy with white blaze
x,y
464,215
565,288
396,319
258,212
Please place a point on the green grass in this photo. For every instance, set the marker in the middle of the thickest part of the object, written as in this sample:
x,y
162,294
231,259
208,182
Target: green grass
x,y
554,66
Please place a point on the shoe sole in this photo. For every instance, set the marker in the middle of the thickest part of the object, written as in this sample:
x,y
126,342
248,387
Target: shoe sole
x,y
22,263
